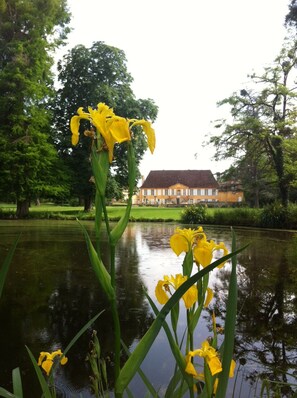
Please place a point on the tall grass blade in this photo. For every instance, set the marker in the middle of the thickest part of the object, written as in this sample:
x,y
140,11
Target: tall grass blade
x,y
6,394
17,383
5,266
119,229
77,336
145,380
230,323
98,267
81,332
100,166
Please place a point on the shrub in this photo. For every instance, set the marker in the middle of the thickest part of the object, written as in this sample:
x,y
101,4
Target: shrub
x,y
236,217
194,214
292,216
274,215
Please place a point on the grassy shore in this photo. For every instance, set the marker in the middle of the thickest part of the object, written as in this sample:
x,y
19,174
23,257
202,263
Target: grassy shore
x,y
273,216
114,212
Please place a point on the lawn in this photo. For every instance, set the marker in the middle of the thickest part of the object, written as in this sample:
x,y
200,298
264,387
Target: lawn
x,y
114,212
148,213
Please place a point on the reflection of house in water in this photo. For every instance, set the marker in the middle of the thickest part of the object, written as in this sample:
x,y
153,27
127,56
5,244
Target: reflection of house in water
x,y
183,187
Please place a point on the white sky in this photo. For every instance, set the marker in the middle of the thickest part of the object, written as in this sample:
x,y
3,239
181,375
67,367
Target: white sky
x,y
186,56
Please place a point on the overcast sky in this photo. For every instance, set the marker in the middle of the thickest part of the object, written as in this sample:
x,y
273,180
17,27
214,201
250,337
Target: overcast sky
x,y
185,55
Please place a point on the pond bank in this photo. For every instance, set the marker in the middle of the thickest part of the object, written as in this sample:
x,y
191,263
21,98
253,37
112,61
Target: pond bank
x,y
273,216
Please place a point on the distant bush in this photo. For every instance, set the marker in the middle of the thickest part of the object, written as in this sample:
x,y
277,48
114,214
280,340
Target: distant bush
x,y
274,215
194,214
292,216
243,216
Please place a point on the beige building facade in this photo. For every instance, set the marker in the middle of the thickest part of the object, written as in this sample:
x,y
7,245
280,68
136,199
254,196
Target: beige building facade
x,y
178,187
181,188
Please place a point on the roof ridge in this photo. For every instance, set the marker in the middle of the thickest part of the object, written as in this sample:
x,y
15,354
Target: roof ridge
x,y
193,178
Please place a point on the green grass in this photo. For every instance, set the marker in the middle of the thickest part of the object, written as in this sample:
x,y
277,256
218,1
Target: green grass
x,y
48,210
243,217
151,213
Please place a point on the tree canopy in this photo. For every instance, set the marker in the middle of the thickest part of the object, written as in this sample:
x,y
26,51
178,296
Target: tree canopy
x,y
88,76
29,32
262,131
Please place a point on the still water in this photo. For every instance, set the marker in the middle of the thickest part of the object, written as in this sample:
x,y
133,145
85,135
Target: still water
x,y
51,292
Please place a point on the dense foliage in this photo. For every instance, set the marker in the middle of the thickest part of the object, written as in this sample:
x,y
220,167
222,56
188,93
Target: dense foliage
x,y
261,134
88,76
29,32
194,214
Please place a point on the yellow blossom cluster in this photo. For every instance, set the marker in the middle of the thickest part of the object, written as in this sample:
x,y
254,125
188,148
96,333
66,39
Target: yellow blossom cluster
x,y
112,128
212,359
46,360
184,240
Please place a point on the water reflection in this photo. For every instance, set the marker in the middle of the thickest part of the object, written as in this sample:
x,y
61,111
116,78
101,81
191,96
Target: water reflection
x,y
51,293
266,324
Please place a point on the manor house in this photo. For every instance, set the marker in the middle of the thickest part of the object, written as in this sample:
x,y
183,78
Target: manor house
x,y
183,187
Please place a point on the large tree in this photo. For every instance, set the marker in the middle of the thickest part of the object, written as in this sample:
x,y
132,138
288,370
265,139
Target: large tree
x,y
262,125
291,17
88,76
29,32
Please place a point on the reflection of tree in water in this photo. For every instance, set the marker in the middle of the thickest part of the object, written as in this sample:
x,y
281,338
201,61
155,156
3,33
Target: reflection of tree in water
x,y
53,295
134,310
267,311
87,299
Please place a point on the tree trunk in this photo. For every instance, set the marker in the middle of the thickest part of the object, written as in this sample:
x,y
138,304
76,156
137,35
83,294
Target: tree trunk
x,y
278,157
284,192
256,198
22,210
87,204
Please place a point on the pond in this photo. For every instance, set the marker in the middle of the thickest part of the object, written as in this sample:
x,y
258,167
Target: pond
x,y
51,292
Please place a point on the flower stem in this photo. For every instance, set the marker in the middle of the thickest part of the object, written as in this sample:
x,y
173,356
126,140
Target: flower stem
x,y
117,337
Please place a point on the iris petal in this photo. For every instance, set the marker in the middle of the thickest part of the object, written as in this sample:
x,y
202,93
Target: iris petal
x,y
160,293
179,244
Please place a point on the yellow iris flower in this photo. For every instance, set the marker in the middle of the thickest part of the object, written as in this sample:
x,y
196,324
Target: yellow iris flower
x,y
163,291
209,354
183,239
200,376
203,251
46,360
212,359
113,128
148,130
209,296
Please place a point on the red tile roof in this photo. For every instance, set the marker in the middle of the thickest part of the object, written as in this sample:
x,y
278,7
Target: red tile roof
x,y
189,178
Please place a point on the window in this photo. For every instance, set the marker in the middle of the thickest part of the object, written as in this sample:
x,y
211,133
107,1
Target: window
x,y
152,192
206,192
166,191
191,191
202,192
214,192
199,192
185,192
145,192
178,192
